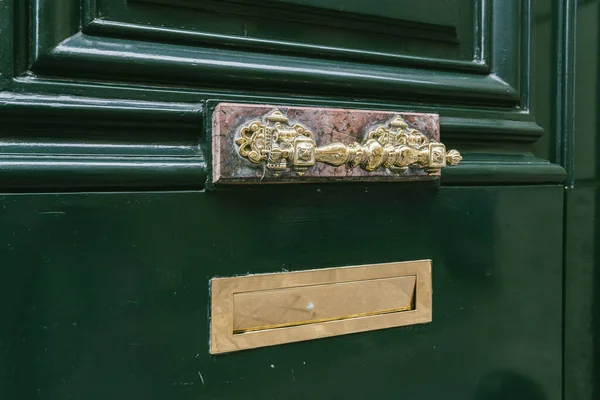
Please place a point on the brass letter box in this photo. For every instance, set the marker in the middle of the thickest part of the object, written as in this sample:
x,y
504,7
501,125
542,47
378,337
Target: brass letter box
x,y
262,310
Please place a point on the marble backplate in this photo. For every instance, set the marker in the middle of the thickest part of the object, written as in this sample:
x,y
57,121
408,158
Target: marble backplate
x,y
328,125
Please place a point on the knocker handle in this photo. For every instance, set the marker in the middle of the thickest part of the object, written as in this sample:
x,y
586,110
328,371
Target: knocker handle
x,y
396,146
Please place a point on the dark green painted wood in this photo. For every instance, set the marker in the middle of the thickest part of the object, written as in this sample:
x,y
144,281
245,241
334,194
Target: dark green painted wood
x,y
308,26
565,83
106,295
79,46
135,51
79,126
103,139
114,28
472,130
579,149
533,171
80,142
63,16
18,44
100,173
506,15
83,56
582,329
445,11
7,29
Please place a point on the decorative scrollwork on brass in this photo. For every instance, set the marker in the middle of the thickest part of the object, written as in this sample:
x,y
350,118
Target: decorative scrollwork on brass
x,y
395,146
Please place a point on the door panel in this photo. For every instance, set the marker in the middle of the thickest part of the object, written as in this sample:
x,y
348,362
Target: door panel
x,y
374,27
446,11
111,228
107,294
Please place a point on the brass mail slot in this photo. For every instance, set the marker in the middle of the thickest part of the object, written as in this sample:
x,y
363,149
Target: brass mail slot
x,y
262,310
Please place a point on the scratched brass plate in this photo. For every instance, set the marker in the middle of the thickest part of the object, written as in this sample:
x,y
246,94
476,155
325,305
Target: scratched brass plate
x,y
264,310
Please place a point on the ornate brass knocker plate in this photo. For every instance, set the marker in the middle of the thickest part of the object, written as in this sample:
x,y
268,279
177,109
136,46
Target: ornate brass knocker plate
x,y
395,146
272,148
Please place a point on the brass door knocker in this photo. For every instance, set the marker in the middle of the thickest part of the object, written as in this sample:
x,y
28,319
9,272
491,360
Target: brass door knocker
x,y
395,146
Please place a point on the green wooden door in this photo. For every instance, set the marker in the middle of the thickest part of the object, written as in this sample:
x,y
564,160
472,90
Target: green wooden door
x,y
111,227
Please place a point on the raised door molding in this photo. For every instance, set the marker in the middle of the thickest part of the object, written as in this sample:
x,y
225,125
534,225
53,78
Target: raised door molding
x,y
473,67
